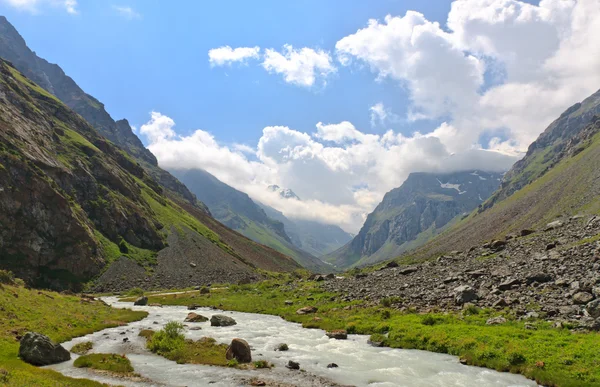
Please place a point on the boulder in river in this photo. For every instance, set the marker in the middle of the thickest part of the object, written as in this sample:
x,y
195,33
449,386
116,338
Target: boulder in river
x,y
194,317
293,365
39,350
282,347
332,365
307,310
239,350
219,320
142,301
338,334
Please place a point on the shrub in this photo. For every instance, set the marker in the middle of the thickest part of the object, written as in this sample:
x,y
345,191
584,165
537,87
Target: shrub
x,y
471,310
82,348
516,358
428,320
262,364
233,363
168,340
107,362
386,314
386,302
7,277
135,292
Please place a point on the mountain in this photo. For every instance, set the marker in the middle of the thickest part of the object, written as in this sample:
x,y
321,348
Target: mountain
x,y
235,209
559,177
410,215
54,80
285,193
315,238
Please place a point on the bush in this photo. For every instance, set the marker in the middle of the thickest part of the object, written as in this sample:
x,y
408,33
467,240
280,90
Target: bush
x,y
168,340
233,363
135,292
82,348
123,247
262,364
516,358
7,277
107,362
386,314
471,310
428,320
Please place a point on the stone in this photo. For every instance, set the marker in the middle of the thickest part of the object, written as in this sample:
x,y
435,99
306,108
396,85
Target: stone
x,y
282,347
407,271
288,302
192,264
464,294
498,245
581,298
142,301
501,303
219,320
332,365
307,310
592,309
539,277
193,317
204,290
192,307
39,350
391,264
526,232
239,350
293,365
508,284
553,225
339,334
496,321
195,328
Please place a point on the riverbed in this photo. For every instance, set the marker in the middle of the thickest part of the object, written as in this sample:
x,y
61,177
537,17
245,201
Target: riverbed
x,y
359,364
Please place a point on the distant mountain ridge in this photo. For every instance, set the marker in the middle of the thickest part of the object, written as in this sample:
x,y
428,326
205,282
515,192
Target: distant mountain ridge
x,y
413,213
285,193
237,210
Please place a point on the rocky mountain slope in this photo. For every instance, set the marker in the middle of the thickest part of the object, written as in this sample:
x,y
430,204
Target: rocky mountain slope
x,y
72,204
559,177
408,216
313,237
54,80
235,209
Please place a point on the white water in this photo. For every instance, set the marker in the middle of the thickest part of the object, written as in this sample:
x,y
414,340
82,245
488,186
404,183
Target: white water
x,y
359,363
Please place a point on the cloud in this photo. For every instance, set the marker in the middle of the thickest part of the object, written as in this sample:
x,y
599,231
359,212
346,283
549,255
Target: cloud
x,y
381,115
127,12
340,172
226,55
33,6
299,67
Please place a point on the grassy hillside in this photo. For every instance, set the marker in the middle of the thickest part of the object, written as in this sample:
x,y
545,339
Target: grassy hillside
x,y
23,310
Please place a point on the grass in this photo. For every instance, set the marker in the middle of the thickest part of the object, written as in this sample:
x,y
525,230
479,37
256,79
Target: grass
x,y
82,348
553,357
58,316
106,362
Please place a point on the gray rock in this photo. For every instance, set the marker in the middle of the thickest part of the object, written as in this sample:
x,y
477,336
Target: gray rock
x,y
464,294
142,301
293,365
553,225
39,350
239,350
508,284
219,320
496,321
592,308
307,310
193,317
582,298
339,334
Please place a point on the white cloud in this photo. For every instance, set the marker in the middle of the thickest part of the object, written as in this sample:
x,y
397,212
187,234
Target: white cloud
x,y
381,115
299,67
127,12
33,6
226,55
340,172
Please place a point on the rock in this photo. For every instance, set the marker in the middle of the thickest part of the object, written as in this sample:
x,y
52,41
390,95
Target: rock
x,y
408,270
192,264
498,245
553,225
282,347
141,301
239,350
332,365
204,290
590,323
219,320
192,307
501,303
526,232
375,343
156,305
292,365
391,264
258,383
195,328
551,246
582,298
592,308
319,278
508,284
496,321
339,334
476,273
39,350
307,310
539,277
288,302
464,294
330,276
193,317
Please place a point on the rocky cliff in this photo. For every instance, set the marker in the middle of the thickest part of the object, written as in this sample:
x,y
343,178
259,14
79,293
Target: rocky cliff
x,y
408,216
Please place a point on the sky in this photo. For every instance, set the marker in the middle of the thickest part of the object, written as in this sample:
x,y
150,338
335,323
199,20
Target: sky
x,y
338,100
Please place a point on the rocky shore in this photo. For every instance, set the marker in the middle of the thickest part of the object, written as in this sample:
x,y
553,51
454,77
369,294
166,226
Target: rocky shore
x,y
552,274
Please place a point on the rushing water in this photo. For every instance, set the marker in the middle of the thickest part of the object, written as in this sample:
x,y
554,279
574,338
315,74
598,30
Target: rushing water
x,y
359,363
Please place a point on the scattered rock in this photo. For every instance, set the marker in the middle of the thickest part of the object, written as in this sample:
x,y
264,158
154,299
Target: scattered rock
x,y
389,265
192,307
339,334
497,245
239,350
219,320
332,365
582,298
592,308
526,232
307,310
288,302
204,290
407,271
553,225
539,277
195,318
192,264
282,347
496,321
464,294
142,301
39,350
292,365
501,303
508,284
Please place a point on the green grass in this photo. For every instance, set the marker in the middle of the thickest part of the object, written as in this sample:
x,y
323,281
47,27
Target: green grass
x,y
106,362
82,348
569,359
58,316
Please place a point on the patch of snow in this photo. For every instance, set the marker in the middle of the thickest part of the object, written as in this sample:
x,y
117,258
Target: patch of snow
x,y
451,186
482,178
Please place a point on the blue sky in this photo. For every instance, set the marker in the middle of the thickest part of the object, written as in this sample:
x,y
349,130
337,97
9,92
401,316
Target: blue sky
x,y
464,84
158,61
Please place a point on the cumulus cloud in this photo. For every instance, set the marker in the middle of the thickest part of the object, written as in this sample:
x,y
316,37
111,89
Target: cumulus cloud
x,y
127,12
34,6
381,115
340,172
299,67
226,55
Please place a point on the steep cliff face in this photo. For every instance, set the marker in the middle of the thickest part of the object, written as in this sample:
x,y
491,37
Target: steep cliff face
x,y
71,203
411,214
54,80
